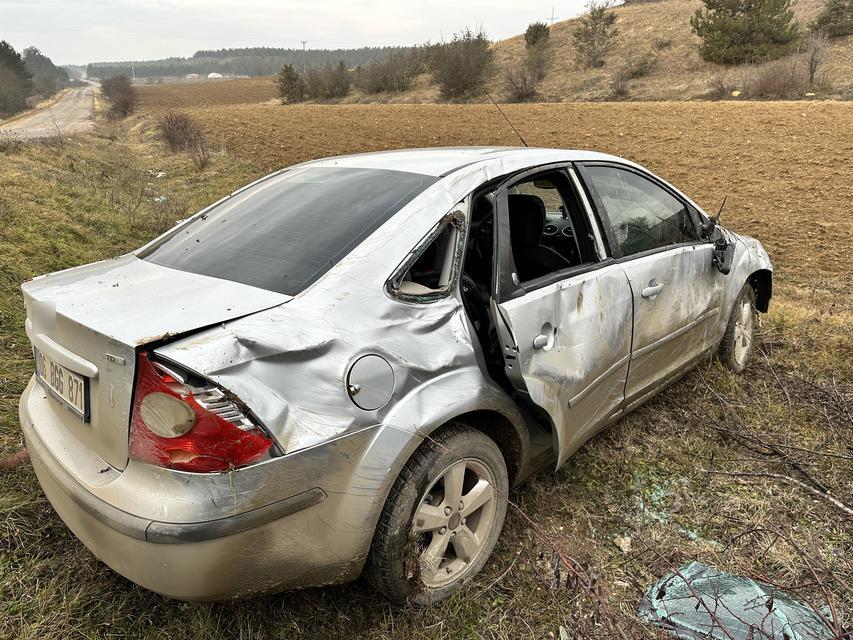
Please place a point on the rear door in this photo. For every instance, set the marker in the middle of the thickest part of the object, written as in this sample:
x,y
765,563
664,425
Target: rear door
x,y
676,292
565,333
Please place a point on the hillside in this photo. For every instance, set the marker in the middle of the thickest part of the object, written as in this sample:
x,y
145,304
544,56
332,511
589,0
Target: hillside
x,y
660,29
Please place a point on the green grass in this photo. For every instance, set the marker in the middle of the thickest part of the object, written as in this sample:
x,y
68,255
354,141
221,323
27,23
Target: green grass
x,y
642,478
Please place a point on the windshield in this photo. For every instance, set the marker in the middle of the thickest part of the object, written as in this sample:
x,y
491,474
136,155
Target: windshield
x,y
285,232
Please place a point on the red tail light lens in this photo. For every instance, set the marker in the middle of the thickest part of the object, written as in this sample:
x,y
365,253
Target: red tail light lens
x,y
170,428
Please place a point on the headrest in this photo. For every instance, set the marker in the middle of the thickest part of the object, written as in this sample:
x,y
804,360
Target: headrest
x,y
526,220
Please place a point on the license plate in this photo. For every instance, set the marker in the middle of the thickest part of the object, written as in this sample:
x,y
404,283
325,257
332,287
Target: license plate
x,y
69,388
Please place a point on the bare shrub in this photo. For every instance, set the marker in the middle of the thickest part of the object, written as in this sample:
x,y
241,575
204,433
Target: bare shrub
x,y
521,83
395,73
10,144
815,53
328,82
720,87
109,128
461,66
619,83
538,58
536,33
121,95
177,129
200,151
161,215
641,66
780,79
659,44
595,34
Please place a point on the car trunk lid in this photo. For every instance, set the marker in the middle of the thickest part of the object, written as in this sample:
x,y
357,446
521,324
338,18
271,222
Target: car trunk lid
x,y
91,320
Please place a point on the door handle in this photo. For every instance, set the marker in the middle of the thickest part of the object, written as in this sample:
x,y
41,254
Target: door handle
x,y
540,341
653,289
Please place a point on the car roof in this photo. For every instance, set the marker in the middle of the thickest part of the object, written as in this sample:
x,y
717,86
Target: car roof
x,y
440,161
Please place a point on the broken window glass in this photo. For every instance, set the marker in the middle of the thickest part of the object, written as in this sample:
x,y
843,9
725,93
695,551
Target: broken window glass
x,y
698,602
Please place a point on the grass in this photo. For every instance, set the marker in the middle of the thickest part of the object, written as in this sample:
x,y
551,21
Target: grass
x,y
645,478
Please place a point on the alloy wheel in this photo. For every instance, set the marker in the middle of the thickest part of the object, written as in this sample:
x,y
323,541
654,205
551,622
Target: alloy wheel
x,y
743,331
453,520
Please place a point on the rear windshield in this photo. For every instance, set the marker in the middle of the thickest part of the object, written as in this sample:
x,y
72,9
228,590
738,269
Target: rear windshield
x,y
286,231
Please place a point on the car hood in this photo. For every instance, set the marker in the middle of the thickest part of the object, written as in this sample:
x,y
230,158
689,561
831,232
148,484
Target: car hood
x,y
136,302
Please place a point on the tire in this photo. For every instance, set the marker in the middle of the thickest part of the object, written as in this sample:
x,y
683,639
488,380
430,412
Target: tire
x,y
406,563
738,340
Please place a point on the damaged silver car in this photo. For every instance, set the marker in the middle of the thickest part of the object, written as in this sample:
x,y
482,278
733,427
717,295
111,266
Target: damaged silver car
x,y
344,367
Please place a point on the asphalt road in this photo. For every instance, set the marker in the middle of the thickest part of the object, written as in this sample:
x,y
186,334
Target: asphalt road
x,y
71,114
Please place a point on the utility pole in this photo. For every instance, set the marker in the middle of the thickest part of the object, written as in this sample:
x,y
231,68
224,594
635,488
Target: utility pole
x,y
132,72
553,6
304,57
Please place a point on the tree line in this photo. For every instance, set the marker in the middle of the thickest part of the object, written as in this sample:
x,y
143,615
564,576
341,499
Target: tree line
x,y
26,75
254,61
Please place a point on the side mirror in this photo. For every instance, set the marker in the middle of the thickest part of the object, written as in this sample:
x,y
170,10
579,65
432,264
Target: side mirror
x,y
724,253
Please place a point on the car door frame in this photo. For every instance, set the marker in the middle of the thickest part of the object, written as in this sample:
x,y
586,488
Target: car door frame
x,y
636,395
584,412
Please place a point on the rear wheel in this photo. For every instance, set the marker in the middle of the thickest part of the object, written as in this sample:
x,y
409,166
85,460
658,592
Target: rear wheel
x,y
442,518
737,344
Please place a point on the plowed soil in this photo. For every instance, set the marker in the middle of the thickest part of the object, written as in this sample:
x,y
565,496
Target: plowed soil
x,y
178,95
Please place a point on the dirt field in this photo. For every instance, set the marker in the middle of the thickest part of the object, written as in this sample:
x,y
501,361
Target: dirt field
x,y
780,164
653,477
207,92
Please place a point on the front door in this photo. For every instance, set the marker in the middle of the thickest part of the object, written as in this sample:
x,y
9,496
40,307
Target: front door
x,y
562,309
675,289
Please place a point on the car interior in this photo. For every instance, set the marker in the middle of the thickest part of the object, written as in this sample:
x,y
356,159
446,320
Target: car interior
x,y
549,233
433,269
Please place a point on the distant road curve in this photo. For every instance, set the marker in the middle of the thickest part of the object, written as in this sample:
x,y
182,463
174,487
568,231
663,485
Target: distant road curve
x,y
72,113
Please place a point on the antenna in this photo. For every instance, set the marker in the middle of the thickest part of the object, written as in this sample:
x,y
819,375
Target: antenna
x,y
507,119
723,204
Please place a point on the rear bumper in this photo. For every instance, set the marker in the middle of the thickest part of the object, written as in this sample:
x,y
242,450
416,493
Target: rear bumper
x,y
308,538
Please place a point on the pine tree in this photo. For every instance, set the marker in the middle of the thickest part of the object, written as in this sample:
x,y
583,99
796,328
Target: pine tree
x,y
595,34
15,80
291,86
738,31
835,19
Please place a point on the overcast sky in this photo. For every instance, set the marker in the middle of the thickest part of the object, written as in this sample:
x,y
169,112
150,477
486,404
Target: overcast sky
x,y
81,31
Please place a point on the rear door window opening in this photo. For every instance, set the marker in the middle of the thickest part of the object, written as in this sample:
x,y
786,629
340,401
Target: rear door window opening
x,y
431,268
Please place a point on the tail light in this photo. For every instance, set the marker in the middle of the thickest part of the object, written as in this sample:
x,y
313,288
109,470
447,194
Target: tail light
x,y
178,426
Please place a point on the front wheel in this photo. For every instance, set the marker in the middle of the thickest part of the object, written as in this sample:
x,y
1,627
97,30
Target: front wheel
x,y
442,518
737,344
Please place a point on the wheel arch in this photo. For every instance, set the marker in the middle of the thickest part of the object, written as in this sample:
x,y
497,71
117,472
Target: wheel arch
x,y
506,435
762,283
